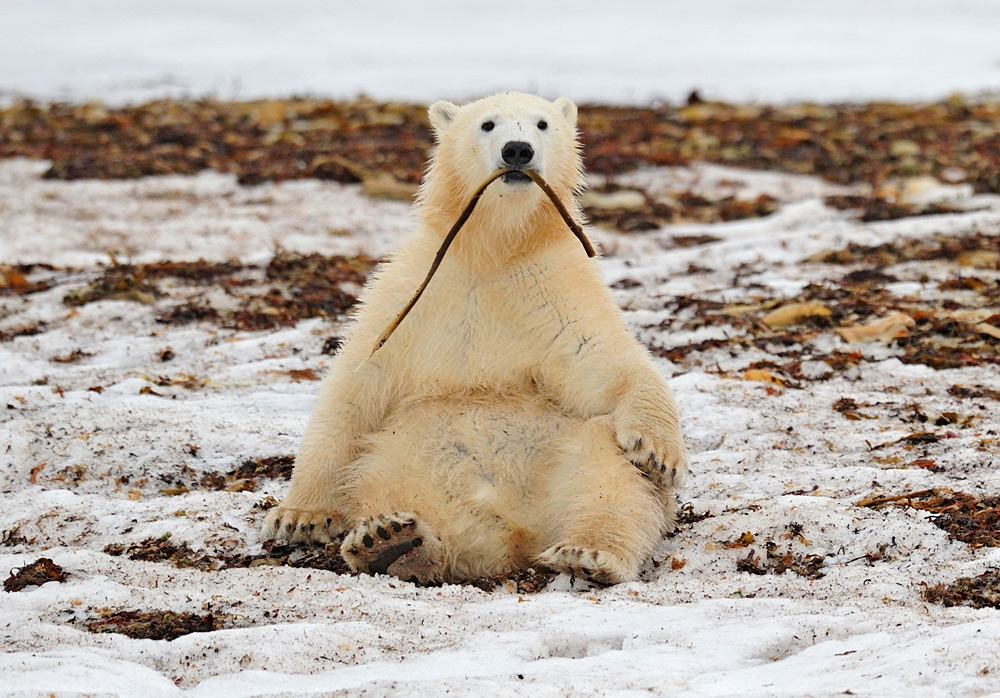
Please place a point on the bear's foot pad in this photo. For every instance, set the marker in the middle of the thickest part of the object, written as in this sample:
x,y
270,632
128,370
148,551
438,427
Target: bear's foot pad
x,y
398,544
596,565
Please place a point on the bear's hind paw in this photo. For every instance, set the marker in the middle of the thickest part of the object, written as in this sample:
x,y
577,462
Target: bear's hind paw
x,y
302,525
398,544
596,565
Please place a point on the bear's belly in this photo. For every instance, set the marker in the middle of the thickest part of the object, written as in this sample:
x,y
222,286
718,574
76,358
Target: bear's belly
x,y
485,456
499,439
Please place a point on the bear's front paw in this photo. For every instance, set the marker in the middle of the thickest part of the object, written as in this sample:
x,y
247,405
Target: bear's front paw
x,y
302,525
662,458
597,565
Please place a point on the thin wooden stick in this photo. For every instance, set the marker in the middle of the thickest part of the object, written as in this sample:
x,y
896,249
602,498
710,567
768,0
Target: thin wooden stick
x,y
542,184
573,225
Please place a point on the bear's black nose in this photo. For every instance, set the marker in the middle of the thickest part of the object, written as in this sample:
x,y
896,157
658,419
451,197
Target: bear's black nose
x,y
517,153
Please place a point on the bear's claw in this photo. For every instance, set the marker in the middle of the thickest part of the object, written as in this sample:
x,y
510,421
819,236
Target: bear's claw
x,y
663,460
302,525
397,544
596,565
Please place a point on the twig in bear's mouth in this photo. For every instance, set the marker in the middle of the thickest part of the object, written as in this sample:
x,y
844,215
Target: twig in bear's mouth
x,y
542,184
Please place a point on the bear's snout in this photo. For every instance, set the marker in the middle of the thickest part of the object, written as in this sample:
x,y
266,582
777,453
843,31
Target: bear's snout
x,y
517,154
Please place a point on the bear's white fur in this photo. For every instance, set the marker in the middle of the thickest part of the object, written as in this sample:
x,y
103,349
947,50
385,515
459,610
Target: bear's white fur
x,y
511,420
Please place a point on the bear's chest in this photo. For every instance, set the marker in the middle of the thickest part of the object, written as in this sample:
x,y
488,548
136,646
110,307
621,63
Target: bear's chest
x,y
486,331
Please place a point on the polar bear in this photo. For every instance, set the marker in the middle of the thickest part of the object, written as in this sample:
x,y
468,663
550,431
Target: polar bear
x,y
511,420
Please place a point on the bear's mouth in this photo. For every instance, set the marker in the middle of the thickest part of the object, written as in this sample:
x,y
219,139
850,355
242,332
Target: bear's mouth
x,y
515,177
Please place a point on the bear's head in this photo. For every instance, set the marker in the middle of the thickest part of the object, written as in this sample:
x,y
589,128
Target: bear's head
x,y
510,131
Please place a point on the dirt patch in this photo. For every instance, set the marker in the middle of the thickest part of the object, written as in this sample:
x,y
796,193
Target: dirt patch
x,y
37,573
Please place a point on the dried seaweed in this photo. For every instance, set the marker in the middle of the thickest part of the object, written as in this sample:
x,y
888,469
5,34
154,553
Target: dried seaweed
x,y
687,516
125,282
162,550
153,625
326,558
22,331
778,561
964,517
940,246
244,477
291,287
37,573
529,581
979,592
875,208
14,279
679,207
974,392
263,141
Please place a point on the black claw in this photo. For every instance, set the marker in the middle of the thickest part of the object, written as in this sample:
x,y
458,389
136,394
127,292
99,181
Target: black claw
x,y
638,444
329,522
396,527
417,542
312,527
382,533
368,541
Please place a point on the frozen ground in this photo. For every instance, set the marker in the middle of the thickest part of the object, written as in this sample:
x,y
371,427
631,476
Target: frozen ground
x,y
624,51
81,469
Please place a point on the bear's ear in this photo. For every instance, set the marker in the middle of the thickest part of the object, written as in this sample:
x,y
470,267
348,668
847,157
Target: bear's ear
x,y
441,114
568,109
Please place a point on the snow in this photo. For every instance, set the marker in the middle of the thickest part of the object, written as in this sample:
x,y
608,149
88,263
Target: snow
x,y
630,51
761,463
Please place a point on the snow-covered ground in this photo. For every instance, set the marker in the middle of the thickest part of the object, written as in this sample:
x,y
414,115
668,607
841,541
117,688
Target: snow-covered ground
x,y
592,50
95,424
81,469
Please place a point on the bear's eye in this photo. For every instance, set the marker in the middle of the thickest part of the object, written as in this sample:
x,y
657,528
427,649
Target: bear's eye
x,y
487,126
542,125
